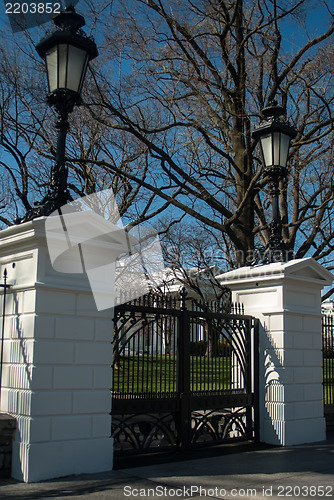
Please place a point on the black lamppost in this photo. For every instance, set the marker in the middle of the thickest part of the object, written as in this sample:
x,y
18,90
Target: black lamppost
x,y
274,137
67,52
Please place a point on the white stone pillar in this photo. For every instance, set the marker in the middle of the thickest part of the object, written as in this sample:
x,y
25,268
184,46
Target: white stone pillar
x,y
57,370
286,298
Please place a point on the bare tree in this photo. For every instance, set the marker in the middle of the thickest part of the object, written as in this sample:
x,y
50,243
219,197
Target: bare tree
x,y
170,107
192,78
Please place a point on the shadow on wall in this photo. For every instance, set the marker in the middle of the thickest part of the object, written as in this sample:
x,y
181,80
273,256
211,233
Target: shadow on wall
x,y
273,397
19,372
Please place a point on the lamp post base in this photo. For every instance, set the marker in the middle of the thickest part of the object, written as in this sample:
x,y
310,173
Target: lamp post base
x,y
269,255
51,202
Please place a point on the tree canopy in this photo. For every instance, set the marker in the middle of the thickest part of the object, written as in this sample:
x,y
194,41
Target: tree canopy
x,y
169,109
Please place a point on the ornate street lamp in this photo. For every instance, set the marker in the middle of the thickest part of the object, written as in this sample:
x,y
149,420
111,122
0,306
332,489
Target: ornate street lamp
x,y
67,52
274,137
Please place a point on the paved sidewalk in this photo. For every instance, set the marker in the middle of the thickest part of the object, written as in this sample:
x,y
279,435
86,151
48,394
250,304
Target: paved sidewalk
x,y
294,472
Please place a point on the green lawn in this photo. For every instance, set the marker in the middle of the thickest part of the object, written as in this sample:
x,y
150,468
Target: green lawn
x,y
152,374
329,380
158,373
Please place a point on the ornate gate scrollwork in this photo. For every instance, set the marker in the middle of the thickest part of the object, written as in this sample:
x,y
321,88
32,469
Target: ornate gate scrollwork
x,y
218,425
183,375
144,432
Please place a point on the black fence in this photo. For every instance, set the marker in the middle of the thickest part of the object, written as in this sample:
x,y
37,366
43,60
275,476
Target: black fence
x,y
328,358
185,374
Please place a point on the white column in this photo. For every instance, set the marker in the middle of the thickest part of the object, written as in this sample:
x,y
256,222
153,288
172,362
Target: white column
x,y
57,370
286,298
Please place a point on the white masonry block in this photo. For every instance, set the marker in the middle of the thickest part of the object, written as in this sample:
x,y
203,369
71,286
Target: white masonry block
x,y
57,362
286,298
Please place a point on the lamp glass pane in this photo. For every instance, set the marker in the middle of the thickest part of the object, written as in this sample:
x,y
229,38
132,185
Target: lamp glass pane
x,y
51,66
276,147
266,146
285,144
77,65
62,65
83,73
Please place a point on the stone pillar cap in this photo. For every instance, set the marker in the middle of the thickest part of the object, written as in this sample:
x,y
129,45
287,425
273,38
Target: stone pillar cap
x,y
306,269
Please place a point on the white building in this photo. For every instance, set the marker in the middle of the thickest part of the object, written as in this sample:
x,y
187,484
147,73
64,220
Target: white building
x,y
327,307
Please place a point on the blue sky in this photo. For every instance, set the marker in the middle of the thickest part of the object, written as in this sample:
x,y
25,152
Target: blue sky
x,y
317,19
294,37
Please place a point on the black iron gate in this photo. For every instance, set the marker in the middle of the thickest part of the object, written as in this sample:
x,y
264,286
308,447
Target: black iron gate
x,y
184,374
328,358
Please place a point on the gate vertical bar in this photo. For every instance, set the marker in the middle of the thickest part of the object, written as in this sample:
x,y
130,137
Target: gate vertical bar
x,y
248,376
256,379
183,386
324,367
